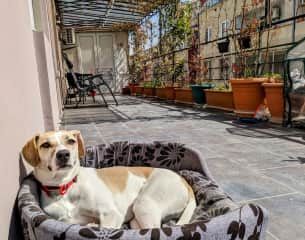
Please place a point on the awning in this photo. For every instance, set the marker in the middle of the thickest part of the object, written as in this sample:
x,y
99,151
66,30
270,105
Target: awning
x,y
103,14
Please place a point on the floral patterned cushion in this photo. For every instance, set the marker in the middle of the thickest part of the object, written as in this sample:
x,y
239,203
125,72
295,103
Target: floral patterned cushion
x,y
216,217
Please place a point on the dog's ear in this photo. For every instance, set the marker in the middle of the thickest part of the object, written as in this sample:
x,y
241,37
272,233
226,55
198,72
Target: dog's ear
x,y
80,142
30,151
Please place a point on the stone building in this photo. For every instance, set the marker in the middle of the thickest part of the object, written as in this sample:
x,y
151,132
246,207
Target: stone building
x,y
229,20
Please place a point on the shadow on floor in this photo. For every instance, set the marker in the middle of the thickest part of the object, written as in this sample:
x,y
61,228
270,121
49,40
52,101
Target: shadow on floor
x,y
115,114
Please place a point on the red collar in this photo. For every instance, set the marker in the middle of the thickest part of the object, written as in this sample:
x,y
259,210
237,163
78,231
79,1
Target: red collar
x,y
61,190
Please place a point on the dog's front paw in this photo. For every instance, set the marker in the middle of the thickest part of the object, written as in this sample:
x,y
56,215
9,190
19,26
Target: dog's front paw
x,y
93,225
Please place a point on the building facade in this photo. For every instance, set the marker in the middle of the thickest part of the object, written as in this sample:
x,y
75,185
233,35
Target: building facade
x,y
227,20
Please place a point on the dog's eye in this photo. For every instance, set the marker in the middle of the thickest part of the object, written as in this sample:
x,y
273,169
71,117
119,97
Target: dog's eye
x,y
45,145
71,141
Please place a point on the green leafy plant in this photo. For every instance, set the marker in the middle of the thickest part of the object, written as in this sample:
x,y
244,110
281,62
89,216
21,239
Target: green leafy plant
x,y
223,88
274,77
152,84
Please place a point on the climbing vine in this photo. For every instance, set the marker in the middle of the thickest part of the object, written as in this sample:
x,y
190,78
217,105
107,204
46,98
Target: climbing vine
x,y
161,63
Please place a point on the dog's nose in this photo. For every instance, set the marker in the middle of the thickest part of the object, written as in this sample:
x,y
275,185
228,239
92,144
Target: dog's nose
x,y
63,156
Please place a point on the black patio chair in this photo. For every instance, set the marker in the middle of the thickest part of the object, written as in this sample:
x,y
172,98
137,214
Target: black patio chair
x,y
83,84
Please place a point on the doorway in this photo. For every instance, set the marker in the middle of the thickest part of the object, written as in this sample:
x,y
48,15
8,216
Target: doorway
x,y
96,55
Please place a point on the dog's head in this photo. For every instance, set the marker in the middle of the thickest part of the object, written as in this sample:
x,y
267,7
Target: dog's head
x,y
54,151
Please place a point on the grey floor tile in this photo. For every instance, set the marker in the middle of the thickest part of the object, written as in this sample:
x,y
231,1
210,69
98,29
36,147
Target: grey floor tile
x,y
242,183
290,176
286,216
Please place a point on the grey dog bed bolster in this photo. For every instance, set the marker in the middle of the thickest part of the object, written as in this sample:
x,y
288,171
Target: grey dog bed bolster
x,y
216,216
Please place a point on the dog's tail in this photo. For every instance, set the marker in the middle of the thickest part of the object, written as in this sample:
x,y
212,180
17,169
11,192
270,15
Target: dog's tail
x,y
189,209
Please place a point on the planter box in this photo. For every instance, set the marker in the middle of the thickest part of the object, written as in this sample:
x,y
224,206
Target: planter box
x,y
220,99
184,95
149,91
126,90
199,94
248,94
166,93
138,90
132,88
275,100
161,92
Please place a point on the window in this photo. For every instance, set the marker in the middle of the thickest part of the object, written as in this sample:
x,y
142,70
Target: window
x,y
238,20
35,14
208,34
224,27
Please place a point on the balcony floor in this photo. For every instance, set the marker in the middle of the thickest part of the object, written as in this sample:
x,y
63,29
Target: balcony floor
x,y
261,163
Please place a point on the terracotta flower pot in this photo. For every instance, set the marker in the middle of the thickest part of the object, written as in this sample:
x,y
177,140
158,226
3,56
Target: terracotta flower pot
x,y
248,94
149,91
184,95
161,92
275,102
220,99
170,93
132,88
138,90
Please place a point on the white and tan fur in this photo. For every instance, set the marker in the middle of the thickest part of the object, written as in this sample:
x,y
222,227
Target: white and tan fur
x,y
109,197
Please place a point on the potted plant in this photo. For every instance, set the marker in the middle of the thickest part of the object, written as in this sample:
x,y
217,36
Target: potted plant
x,y
166,91
184,95
138,90
131,86
274,96
248,94
223,45
220,98
149,89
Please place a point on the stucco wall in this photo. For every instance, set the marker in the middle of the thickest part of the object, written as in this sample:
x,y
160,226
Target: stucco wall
x,y
29,101
20,104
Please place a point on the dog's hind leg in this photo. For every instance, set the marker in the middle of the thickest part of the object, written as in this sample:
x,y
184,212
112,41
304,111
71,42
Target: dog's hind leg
x,y
111,219
134,224
147,213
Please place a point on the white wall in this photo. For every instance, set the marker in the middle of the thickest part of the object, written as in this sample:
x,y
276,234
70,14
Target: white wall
x,y
20,104
29,99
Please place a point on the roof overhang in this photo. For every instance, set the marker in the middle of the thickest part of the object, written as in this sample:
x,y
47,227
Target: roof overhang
x,y
103,14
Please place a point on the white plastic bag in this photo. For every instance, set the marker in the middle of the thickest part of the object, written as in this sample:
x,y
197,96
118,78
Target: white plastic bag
x,y
262,113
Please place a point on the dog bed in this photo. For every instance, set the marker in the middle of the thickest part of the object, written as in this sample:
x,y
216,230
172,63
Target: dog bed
x,y
216,216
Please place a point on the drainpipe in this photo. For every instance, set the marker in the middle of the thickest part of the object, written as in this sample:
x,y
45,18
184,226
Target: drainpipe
x,y
294,20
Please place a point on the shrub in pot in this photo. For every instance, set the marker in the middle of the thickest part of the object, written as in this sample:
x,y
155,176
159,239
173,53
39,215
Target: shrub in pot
x,y
248,94
184,95
138,90
149,89
274,96
165,92
220,97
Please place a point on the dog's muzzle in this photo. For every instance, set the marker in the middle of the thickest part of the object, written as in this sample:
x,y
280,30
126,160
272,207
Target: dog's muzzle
x,y
62,158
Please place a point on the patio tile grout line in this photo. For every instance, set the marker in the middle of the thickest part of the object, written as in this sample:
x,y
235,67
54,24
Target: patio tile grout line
x,y
290,166
98,131
273,236
269,197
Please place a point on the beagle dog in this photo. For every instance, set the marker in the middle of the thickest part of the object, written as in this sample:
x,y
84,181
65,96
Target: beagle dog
x,y
142,196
